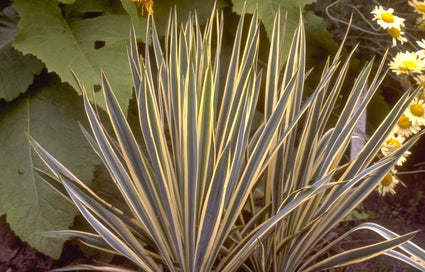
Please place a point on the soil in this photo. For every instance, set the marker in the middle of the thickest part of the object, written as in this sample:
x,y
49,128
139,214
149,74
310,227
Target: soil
x,y
401,213
18,256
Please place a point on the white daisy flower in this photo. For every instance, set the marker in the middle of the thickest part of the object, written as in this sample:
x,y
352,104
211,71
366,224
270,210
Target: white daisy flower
x,y
386,19
388,183
419,6
416,112
405,127
420,22
392,144
397,34
407,62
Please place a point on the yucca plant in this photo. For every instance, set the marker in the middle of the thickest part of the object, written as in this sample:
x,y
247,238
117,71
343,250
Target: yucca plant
x,y
207,188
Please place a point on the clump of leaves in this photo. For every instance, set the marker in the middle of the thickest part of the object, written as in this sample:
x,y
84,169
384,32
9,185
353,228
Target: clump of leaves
x,y
38,36
206,189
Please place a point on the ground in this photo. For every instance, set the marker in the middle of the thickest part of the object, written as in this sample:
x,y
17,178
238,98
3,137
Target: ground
x,y
401,213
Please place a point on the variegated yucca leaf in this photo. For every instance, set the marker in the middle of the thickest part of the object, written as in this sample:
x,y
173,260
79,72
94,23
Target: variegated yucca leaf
x,y
209,190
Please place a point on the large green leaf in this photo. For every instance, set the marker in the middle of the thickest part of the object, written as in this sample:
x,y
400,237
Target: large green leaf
x,y
132,11
88,35
318,35
16,70
67,1
84,36
266,10
49,113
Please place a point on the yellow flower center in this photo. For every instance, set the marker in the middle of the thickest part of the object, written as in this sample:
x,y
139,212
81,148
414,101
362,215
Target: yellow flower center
x,y
387,180
421,25
393,32
420,7
387,17
404,122
408,64
394,142
417,110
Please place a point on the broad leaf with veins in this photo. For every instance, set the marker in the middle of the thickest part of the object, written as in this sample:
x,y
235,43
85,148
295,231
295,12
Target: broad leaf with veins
x,y
86,36
16,70
49,113
266,9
